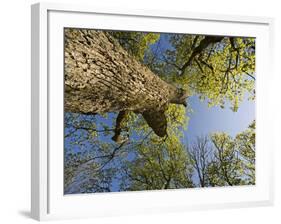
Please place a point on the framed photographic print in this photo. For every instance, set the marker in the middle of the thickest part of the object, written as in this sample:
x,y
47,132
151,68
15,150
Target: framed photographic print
x,y
148,111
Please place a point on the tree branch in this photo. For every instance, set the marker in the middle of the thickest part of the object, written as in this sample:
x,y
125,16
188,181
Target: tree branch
x,y
201,47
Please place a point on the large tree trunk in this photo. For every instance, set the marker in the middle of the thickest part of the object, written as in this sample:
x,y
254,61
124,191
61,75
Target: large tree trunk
x,y
100,76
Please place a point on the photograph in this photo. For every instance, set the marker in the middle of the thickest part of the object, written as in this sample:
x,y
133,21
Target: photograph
x,y
156,111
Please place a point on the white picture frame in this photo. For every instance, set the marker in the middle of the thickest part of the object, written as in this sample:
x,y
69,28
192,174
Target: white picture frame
x,y
48,201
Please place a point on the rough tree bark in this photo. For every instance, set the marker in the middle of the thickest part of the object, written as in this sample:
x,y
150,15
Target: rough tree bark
x,y
100,76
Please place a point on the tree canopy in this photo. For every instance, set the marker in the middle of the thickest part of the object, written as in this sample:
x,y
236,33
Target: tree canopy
x,y
218,69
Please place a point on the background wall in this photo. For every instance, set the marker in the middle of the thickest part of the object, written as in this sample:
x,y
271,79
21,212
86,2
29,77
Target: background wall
x,y
15,110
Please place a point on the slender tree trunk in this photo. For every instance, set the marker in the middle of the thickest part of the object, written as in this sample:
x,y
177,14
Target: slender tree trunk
x,y
100,76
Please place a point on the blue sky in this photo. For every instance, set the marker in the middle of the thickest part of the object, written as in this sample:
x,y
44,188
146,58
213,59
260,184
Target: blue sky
x,y
205,120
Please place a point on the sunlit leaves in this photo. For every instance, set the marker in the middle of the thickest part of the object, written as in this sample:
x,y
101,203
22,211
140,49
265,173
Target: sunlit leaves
x,y
222,72
246,143
136,43
234,159
161,165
